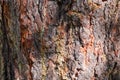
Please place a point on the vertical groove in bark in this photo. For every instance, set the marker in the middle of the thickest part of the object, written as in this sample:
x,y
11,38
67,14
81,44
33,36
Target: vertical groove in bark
x,y
10,40
1,58
6,50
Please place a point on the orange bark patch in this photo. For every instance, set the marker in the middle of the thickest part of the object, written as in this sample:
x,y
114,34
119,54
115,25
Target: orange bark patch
x,y
116,53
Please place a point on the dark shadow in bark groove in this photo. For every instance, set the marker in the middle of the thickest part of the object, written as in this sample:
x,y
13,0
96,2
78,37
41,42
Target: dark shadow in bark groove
x,y
73,22
113,56
6,51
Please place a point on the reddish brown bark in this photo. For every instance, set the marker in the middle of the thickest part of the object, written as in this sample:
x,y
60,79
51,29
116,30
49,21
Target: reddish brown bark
x,y
60,39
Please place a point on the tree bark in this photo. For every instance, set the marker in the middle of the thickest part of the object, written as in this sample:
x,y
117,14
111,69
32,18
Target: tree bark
x,y
59,39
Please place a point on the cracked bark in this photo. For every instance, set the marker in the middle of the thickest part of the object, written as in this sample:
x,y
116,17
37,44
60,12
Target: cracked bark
x,y
59,39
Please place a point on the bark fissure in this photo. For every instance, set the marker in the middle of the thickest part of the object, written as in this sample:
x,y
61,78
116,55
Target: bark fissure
x,y
6,50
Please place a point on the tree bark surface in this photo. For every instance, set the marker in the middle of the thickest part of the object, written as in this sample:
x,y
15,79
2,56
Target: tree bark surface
x,y
59,39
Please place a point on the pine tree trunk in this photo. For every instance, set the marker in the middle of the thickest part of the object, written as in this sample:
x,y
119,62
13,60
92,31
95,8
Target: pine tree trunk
x,y
59,39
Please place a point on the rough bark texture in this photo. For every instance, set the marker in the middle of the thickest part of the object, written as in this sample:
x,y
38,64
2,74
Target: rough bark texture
x,y
59,40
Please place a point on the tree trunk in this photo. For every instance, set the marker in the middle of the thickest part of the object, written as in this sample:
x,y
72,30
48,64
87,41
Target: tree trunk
x,y
59,39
